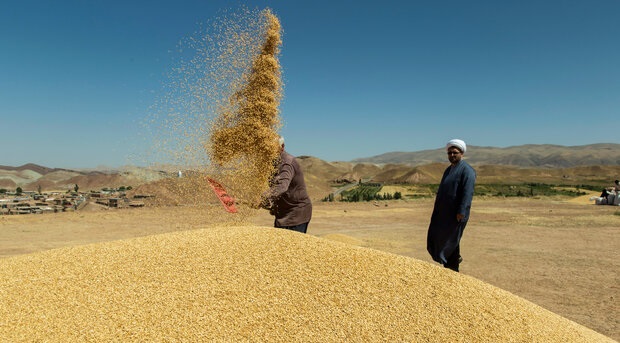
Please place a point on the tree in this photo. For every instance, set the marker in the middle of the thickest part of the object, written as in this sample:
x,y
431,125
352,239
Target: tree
x,y
18,191
39,189
76,188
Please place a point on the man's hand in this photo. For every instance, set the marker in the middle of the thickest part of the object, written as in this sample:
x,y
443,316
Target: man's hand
x,y
265,203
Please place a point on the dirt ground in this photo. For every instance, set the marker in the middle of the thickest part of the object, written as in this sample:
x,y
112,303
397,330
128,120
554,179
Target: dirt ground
x,y
557,253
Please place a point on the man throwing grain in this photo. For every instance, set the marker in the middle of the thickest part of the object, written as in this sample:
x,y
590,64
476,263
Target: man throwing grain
x,y
288,199
452,206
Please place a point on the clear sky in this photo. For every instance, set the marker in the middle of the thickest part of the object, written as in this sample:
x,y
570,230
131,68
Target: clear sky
x,y
362,78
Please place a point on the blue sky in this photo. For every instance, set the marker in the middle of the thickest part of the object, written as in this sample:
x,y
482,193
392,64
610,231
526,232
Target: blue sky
x,y
362,78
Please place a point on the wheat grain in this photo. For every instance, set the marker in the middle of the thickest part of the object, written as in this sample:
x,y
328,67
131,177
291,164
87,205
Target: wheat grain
x,y
253,284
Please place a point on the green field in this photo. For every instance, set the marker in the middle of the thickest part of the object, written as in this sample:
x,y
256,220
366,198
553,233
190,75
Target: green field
x,y
376,191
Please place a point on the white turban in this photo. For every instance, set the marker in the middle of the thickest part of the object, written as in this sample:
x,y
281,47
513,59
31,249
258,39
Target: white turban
x,y
458,144
280,140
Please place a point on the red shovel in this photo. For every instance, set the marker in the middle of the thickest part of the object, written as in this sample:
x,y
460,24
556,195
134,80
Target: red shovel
x,y
225,199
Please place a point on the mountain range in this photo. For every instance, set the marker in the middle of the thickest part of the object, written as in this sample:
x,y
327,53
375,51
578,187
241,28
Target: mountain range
x,y
540,156
597,164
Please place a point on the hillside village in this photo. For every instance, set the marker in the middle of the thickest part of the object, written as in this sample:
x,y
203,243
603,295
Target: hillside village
x,y
30,202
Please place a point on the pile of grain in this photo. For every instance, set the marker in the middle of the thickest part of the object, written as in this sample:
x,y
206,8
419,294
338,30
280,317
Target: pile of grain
x,y
247,283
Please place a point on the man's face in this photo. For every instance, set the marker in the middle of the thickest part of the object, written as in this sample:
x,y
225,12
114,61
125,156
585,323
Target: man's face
x,y
454,155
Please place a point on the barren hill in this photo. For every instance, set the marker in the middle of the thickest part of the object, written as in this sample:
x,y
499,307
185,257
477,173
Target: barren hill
x,y
30,166
32,176
321,176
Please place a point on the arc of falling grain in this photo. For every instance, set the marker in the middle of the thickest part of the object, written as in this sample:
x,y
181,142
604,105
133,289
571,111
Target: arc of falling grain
x,y
244,137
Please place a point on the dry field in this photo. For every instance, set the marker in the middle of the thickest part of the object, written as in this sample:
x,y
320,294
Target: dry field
x,y
557,253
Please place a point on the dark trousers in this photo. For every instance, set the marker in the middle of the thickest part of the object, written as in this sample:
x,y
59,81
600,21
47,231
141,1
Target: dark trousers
x,y
454,260
299,228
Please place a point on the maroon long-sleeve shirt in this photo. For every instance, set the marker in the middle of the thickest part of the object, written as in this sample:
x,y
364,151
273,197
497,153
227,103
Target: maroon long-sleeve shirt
x,y
290,203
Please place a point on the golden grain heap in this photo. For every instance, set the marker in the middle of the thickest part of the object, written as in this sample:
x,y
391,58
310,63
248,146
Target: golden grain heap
x,y
256,284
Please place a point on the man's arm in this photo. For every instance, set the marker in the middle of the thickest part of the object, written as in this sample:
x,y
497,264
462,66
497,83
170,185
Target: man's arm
x,y
469,181
282,181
